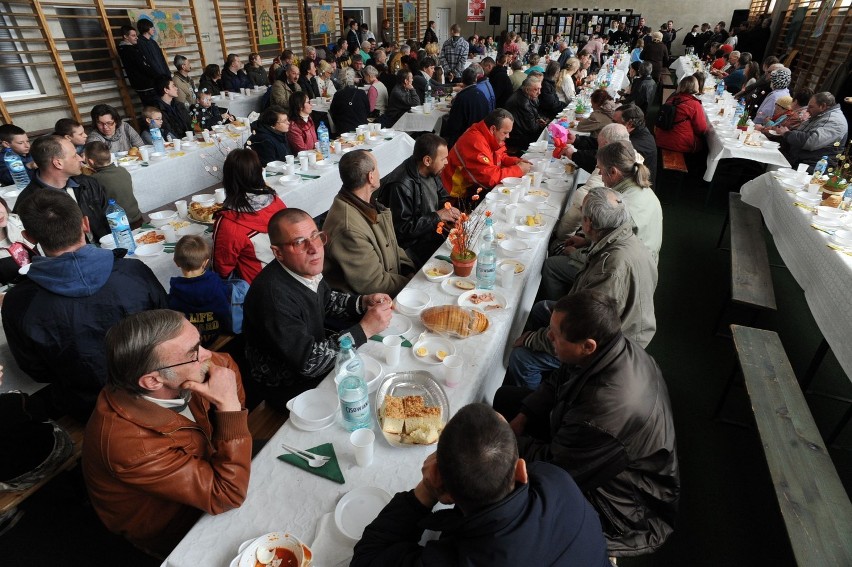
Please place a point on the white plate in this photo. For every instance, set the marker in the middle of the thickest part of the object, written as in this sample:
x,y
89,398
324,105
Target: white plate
x,y
300,424
449,285
411,383
498,301
357,509
399,325
147,250
142,233
826,222
373,372
432,344
519,266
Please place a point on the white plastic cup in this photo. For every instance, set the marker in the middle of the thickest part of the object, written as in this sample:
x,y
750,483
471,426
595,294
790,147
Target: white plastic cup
x,y
813,188
393,348
362,441
338,147
452,370
290,160
181,208
220,195
290,168
514,195
511,211
169,232
231,95
144,153
507,276
304,163
206,135
312,158
190,135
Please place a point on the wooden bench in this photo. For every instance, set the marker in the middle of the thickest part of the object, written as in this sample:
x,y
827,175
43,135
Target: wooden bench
x,y
814,505
9,500
751,280
671,160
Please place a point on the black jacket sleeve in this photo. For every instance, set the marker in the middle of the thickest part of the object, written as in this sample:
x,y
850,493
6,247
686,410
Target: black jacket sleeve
x,y
392,538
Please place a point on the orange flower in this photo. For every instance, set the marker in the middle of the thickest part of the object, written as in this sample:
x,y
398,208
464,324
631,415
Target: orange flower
x,y
439,230
448,206
478,190
475,198
487,213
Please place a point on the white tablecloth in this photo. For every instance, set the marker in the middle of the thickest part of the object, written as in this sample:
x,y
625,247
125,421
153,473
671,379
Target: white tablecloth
x,y
682,67
281,497
420,122
242,105
824,274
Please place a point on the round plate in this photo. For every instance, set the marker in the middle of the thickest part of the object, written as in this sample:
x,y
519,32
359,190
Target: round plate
x,y
299,424
449,285
358,508
399,325
411,383
147,250
373,372
557,185
432,344
519,267
826,222
248,555
497,301
142,234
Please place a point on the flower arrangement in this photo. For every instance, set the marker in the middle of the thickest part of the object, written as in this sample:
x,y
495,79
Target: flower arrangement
x,y
464,232
223,149
839,178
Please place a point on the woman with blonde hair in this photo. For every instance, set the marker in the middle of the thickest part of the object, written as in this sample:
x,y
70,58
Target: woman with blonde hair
x,y
657,53
324,82
565,80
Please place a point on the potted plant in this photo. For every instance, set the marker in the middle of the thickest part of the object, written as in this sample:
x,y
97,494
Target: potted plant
x,y
462,235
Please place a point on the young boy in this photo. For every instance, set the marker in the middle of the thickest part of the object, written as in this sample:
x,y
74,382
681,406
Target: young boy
x,y
12,136
200,294
72,131
115,180
154,119
205,113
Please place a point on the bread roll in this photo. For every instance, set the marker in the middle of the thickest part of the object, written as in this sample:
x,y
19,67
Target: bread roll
x,y
453,320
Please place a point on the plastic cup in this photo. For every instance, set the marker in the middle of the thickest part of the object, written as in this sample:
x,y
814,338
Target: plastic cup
x,y
220,195
507,276
511,211
452,370
181,207
290,169
144,153
304,163
206,135
393,348
290,160
312,158
169,232
190,135
338,147
362,441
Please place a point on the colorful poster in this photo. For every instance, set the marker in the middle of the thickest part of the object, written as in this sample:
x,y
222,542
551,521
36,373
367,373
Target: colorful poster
x,y
409,13
475,10
323,19
823,15
168,26
265,15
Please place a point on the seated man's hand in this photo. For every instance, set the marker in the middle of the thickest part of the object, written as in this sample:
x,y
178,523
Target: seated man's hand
x,y
220,388
576,241
519,424
448,215
781,130
525,166
430,490
375,299
519,342
377,318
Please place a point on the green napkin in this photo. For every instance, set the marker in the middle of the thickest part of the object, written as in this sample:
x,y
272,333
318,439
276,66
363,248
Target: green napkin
x,y
405,341
330,470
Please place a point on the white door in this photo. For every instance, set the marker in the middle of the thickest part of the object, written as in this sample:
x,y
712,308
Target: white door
x,y
442,24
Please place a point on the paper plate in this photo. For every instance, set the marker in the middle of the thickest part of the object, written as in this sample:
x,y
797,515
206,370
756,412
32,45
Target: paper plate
x,y
449,285
357,509
399,325
432,345
470,300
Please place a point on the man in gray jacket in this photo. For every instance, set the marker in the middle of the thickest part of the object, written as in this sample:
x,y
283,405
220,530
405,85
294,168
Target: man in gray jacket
x,y
816,137
619,265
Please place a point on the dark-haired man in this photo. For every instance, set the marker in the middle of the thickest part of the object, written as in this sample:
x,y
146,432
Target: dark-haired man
x,y
505,512
175,114
139,72
285,310
468,107
56,318
364,255
416,197
150,49
169,437
605,417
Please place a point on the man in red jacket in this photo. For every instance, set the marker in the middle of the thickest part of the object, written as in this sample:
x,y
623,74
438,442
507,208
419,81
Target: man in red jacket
x,y
478,159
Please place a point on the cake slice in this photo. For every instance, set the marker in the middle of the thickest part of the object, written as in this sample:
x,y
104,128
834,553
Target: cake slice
x,y
424,436
412,404
425,418
393,415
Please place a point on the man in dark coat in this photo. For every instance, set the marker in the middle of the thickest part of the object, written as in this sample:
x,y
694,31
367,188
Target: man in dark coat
x,y
151,49
643,141
505,512
604,416
498,75
56,319
139,73
523,104
175,114
468,107
416,196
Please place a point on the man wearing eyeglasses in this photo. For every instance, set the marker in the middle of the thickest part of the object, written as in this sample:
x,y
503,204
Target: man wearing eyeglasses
x,y
285,312
169,437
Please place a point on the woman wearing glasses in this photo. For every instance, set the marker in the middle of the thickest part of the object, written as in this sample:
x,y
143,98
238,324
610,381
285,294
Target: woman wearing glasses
x,y
109,129
240,241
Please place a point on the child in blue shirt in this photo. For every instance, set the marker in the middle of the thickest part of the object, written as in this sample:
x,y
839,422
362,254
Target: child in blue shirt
x,y
200,294
14,137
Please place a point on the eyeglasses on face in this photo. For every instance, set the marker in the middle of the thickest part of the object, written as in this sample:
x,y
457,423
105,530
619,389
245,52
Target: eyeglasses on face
x,y
300,245
194,359
108,124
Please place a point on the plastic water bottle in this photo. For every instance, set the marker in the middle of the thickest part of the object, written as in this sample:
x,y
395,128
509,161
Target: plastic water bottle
x,y
427,99
351,388
16,167
322,135
157,140
120,227
486,259
720,88
820,167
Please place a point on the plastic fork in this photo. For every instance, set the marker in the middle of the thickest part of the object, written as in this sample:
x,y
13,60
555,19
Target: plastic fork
x,y
313,460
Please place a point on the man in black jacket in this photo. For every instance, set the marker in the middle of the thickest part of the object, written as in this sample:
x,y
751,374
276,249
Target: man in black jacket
x,y
416,197
60,169
139,73
151,49
498,75
605,417
175,114
505,512
643,141
523,104
56,319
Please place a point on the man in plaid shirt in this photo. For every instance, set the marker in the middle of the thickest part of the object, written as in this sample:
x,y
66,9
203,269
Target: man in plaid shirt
x,y
453,55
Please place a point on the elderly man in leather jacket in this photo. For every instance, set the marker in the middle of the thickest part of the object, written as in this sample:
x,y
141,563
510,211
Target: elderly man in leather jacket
x,y
605,417
523,104
416,197
169,437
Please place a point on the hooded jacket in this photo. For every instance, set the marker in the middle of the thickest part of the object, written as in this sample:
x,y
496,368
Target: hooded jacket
x,y
241,241
56,319
205,301
477,159
269,144
611,427
89,194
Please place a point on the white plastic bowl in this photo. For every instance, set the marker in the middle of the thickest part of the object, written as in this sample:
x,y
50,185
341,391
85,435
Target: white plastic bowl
x,y
149,249
315,408
512,181
811,199
527,232
535,199
288,180
842,238
156,156
412,301
349,136
205,199
159,218
514,248
445,269
107,242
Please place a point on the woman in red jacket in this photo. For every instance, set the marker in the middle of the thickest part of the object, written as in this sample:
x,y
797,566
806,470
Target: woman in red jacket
x,y
690,123
302,134
240,242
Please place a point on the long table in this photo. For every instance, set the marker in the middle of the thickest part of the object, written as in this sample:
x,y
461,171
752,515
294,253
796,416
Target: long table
x,y
825,274
282,497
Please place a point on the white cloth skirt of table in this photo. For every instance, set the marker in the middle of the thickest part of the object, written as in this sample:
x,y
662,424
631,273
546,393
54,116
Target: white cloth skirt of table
x,y
242,105
682,67
281,497
824,274
316,195
420,122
